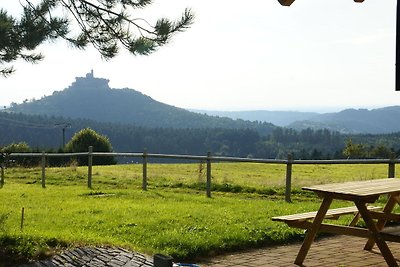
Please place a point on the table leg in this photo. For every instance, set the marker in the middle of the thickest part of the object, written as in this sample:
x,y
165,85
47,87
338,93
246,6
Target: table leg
x,y
386,253
312,231
393,199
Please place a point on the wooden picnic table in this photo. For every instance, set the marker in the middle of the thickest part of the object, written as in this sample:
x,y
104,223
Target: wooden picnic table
x,y
361,193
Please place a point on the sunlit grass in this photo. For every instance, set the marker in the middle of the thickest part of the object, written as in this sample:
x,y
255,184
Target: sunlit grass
x,y
184,224
172,217
256,175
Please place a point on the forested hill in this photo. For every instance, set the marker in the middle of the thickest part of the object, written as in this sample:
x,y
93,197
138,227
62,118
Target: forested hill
x,y
44,132
356,121
92,98
349,121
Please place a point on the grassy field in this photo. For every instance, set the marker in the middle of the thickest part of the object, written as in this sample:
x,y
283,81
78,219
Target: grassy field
x,y
172,217
247,175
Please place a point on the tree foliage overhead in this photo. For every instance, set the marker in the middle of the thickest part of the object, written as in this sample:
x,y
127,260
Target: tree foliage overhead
x,y
106,24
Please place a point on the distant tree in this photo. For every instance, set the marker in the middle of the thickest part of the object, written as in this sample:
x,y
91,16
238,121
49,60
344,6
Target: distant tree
x,y
81,141
315,154
354,150
381,151
106,24
303,154
16,148
3,157
21,147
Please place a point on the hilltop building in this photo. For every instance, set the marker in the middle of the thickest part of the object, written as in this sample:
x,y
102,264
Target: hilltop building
x,y
89,82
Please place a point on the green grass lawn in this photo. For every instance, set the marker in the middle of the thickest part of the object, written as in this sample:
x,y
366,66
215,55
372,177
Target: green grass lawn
x,y
172,217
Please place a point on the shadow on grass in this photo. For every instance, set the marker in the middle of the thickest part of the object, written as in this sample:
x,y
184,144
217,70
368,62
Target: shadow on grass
x,y
16,250
232,188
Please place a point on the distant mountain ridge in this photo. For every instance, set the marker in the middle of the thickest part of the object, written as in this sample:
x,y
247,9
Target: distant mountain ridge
x,y
91,98
354,121
279,118
348,121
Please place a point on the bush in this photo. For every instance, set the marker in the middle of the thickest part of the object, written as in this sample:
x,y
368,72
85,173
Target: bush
x,y
16,148
81,141
20,147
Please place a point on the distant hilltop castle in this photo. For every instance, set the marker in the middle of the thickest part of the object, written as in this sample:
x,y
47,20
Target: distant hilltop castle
x,y
89,82
90,74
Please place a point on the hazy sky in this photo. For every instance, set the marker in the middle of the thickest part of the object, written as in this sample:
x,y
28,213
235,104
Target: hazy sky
x,y
317,55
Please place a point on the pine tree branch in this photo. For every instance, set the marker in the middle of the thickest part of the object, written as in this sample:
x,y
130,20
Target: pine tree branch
x,y
109,11
105,25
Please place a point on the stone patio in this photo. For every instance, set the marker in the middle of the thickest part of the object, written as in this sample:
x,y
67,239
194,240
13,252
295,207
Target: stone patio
x,y
343,251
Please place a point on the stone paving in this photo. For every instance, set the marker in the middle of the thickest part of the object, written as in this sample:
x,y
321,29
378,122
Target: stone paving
x,y
95,257
343,251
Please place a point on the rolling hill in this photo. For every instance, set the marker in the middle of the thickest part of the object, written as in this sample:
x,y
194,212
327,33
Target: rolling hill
x,y
279,118
355,121
92,98
349,121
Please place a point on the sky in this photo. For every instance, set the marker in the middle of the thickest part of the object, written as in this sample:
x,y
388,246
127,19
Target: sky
x,y
320,56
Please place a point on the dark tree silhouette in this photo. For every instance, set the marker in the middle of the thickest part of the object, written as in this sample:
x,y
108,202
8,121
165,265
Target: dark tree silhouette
x,y
106,24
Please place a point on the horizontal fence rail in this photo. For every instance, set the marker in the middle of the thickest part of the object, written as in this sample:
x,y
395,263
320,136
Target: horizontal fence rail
x,y
208,159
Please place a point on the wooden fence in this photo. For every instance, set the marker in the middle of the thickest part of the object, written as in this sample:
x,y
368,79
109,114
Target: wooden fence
x,y
289,162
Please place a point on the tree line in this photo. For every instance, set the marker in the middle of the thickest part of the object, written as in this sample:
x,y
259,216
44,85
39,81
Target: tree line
x,y
47,133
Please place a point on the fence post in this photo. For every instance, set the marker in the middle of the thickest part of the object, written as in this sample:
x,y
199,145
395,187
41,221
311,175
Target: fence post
x,y
201,169
22,218
2,175
3,160
391,171
288,178
90,165
144,183
208,186
43,169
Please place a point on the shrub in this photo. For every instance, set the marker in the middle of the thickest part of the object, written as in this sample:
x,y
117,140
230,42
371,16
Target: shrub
x,y
16,148
81,141
20,147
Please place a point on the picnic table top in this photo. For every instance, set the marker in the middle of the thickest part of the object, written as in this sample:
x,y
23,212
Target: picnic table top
x,y
358,189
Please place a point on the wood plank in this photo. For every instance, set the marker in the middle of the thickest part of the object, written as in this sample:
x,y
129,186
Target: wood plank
x,y
385,216
386,253
330,214
344,230
391,234
312,231
360,189
393,199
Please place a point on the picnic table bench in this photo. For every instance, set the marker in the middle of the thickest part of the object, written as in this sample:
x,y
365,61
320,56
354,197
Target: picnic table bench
x,y
303,220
